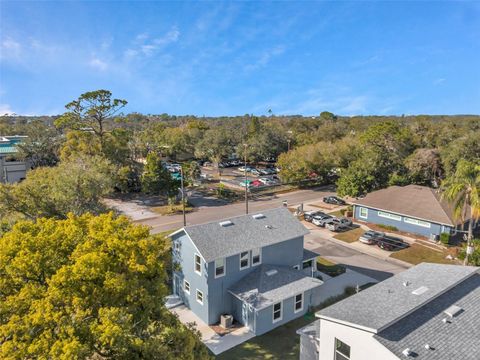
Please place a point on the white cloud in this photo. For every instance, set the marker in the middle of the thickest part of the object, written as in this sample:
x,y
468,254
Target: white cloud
x,y
5,109
439,81
143,45
265,58
10,49
98,64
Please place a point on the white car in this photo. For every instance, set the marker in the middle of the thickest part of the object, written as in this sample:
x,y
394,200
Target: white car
x,y
267,181
338,223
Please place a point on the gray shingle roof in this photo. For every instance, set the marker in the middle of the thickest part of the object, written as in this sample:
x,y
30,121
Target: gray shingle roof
x,y
416,201
381,305
215,241
261,290
457,339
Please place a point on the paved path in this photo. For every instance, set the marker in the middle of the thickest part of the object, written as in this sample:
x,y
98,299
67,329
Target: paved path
x,y
211,210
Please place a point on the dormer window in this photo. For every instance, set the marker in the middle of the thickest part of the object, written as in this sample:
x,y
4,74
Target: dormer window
x,y
244,260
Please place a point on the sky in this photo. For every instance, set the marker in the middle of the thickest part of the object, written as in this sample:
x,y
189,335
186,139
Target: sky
x,y
232,58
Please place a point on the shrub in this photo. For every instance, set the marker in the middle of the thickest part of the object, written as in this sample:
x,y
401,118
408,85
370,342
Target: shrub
x,y
388,227
445,238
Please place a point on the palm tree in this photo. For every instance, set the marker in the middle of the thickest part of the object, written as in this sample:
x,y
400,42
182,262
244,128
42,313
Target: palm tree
x,y
462,190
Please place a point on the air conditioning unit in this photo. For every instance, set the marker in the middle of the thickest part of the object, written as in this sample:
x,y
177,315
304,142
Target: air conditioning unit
x,y
434,237
226,321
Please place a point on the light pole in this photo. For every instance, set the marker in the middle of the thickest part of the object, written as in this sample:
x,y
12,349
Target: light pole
x,y
246,176
183,197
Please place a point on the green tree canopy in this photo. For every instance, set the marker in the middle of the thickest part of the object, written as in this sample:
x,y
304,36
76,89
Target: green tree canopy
x,y
156,179
75,186
88,288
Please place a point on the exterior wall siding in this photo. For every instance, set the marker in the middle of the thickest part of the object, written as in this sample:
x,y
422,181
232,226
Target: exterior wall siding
x,y
287,253
363,345
401,225
12,171
264,318
186,259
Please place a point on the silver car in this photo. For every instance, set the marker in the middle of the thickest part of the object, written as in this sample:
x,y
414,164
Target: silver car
x,y
371,237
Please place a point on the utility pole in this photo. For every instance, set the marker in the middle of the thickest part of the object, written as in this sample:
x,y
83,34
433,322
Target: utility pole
x,y
183,197
246,176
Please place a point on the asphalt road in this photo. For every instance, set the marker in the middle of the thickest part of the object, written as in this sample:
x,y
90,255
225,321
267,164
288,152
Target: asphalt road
x,y
211,209
374,267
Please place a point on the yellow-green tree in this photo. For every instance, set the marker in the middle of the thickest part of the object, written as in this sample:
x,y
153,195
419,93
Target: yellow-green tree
x,y
88,287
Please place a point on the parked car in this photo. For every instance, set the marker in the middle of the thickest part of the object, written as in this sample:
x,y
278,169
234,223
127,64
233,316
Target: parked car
x,y
334,200
390,243
255,172
320,219
256,183
263,171
336,224
207,164
267,181
247,182
242,168
371,237
309,215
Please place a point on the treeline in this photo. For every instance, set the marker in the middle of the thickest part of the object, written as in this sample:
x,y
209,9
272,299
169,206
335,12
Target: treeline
x,y
359,153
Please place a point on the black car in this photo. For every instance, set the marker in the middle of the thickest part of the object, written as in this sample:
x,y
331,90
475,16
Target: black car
x,y
309,215
390,243
334,200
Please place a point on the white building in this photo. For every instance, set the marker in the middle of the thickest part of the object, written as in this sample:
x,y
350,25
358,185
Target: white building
x,y
11,168
430,311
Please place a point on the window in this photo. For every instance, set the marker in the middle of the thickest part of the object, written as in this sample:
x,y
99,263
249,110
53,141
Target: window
x,y
219,267
389,216
342,350
200,296
256,256
417,222
277,312
198,264
176,246
298,303
363,212
244,260
186,286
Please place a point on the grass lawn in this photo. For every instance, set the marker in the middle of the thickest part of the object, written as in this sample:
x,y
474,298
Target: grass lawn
x,y
329,267
416,254
336,213
350,235
281,343
171,210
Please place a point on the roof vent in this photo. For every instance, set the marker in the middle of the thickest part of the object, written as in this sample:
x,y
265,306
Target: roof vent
x,y
453,310
258,216
225,223
421,290
407,352
269,226
406,283
445,320
271,272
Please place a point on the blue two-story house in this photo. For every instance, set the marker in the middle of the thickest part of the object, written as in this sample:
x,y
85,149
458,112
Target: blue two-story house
x,y
253,267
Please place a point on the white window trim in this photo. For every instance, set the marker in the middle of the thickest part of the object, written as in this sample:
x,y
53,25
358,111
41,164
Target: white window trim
x,y
259,255
240,260
416,222
360,212
295,302
336,351
195,264
273,312
185,282
215,268
388,215
196,297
